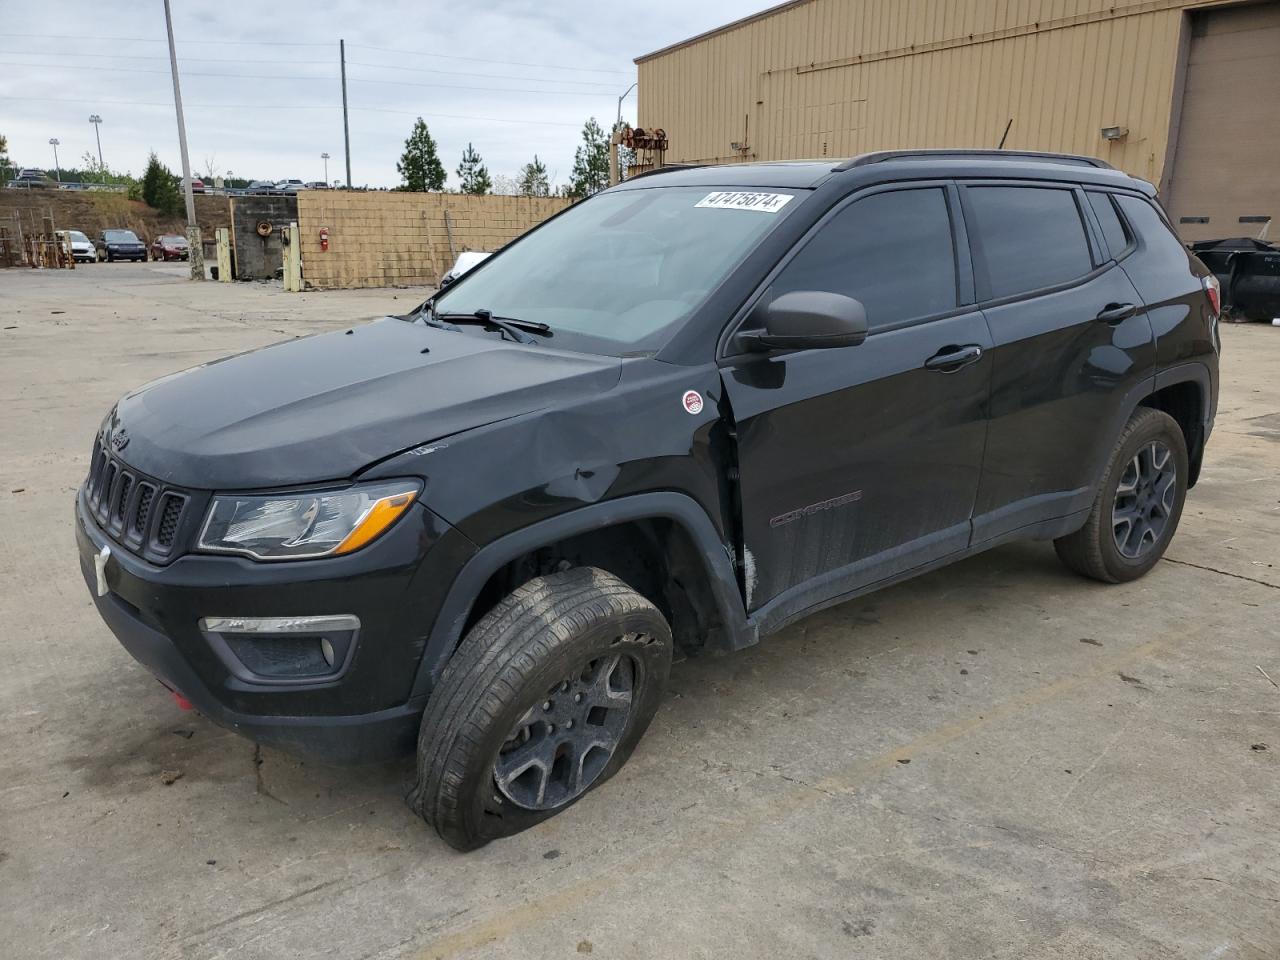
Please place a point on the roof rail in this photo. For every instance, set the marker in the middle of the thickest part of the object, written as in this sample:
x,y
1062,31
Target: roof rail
x,y
882,156
665,168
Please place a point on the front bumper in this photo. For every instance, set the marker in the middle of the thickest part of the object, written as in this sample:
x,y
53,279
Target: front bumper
x,y
366,713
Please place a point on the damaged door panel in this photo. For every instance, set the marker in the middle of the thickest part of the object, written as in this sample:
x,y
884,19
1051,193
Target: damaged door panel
x,y
860,462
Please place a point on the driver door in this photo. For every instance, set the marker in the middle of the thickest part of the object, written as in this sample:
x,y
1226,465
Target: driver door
x,y
859,463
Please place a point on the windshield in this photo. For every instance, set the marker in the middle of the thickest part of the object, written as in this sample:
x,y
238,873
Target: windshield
x,y
174,240
620,272
121,236
78,237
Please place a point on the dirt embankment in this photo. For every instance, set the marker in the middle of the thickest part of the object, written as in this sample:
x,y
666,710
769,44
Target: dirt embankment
x,y
91,212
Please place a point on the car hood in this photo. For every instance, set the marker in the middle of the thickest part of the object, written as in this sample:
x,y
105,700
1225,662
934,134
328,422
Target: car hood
x,y
324,407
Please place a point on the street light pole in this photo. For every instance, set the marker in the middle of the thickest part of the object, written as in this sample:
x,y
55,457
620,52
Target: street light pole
x,y
620,99
196,254
57,170
102,167
325,158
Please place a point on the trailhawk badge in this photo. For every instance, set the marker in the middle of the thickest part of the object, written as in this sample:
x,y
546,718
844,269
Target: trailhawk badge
x,y
100,568
692,402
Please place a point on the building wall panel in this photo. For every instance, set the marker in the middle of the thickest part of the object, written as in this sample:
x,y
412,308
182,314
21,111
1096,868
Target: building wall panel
x,y
839,77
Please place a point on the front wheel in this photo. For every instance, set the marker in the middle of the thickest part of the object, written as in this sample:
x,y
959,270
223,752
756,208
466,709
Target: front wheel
x,y
1138,504
544,700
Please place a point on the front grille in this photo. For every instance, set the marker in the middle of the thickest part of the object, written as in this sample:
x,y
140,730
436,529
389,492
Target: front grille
x,y
169,520
137,512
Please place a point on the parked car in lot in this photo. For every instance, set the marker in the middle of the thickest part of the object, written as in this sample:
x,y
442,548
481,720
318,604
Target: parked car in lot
x,y
32,179
290,186
261,187
197,185
82,250
171,246
683,413
120,245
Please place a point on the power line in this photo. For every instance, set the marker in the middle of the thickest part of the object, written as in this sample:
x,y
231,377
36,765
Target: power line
x,y
456,86
514,63
330,63
398,83
312,43
295,106
493,76
268,43
131,56
192,73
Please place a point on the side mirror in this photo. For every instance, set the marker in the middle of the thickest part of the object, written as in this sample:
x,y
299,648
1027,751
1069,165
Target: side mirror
x,y
808,320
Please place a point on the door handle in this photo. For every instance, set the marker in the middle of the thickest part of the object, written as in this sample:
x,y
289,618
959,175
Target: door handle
x,y
950,359
1116,312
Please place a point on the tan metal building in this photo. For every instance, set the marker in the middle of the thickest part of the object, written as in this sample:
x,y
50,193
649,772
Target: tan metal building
x,y
1184,93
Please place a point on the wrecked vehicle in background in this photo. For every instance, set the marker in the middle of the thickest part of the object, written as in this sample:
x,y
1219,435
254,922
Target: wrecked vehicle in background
x,y
685,412
1249,271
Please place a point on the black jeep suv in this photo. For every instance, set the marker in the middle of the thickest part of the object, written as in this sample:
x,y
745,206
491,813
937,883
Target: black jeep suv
x,y
687,411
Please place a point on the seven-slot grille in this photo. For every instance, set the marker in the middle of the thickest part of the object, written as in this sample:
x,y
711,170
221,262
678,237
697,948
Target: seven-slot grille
x,y
138,512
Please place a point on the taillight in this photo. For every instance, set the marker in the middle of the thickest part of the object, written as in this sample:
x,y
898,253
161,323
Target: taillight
x,y
1214,289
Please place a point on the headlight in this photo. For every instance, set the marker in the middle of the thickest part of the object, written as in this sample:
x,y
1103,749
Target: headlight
x,y
295,526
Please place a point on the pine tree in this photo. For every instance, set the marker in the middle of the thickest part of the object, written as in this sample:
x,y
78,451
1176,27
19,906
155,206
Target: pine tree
x,y
420,164
533,179
472,173
160,188
590,162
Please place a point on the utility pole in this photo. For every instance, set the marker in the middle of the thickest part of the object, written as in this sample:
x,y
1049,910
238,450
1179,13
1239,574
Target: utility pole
x,y
325,157
102,167
196,250
57,170
346,130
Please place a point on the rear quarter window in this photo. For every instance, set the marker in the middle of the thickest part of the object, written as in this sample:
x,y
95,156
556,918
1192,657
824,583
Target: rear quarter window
x,y
1030,237
1151,227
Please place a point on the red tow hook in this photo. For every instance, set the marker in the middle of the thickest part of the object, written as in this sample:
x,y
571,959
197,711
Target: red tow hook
x,y
182,702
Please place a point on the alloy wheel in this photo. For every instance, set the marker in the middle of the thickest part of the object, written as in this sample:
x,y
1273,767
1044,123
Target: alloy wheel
x,y
561,744
1144,501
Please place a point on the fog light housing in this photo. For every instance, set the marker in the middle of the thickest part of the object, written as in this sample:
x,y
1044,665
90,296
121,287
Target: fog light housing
x,y
275,650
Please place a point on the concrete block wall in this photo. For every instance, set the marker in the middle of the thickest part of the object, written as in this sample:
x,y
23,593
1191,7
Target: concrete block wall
x,y
258,258
402,239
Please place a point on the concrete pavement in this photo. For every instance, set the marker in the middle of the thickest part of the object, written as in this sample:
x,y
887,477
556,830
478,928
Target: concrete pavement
x,y
996,760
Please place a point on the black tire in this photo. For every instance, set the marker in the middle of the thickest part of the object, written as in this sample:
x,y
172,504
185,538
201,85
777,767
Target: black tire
x,y
1093,550
550,628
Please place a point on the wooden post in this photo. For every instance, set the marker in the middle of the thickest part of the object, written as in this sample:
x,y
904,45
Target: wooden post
x,y
448,225
223,236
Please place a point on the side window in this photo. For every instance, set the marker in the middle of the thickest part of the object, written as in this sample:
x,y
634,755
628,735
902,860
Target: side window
x,y
1031,237
1151,227
892,251
1113,230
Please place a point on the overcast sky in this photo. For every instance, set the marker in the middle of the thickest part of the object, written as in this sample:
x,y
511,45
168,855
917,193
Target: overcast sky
x,y
260,80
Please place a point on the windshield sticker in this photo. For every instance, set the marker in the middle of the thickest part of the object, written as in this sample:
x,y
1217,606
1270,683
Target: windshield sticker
x,y
737,200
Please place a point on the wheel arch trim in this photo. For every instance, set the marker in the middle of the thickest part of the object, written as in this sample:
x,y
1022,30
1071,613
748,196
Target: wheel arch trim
x,y
446,633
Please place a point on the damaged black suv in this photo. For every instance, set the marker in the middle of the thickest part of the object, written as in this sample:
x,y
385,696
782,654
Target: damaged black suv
x,y
683,413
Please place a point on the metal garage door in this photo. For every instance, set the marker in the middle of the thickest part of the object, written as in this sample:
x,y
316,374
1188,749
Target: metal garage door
x,y
1226,167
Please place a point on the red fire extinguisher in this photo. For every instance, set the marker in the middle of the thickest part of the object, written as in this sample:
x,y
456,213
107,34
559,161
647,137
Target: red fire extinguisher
x,y
324,238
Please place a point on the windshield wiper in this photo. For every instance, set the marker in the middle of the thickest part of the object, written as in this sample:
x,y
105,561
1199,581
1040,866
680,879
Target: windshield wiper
x,y
513,326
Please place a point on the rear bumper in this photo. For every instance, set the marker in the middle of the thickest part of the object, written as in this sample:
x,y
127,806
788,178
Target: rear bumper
x,y
153,611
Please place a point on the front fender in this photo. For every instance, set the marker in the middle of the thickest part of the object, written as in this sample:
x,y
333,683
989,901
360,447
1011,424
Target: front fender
x,y
676,507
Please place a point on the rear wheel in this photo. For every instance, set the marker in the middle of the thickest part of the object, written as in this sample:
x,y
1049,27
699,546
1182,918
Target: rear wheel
x,y
1138,504
544,700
